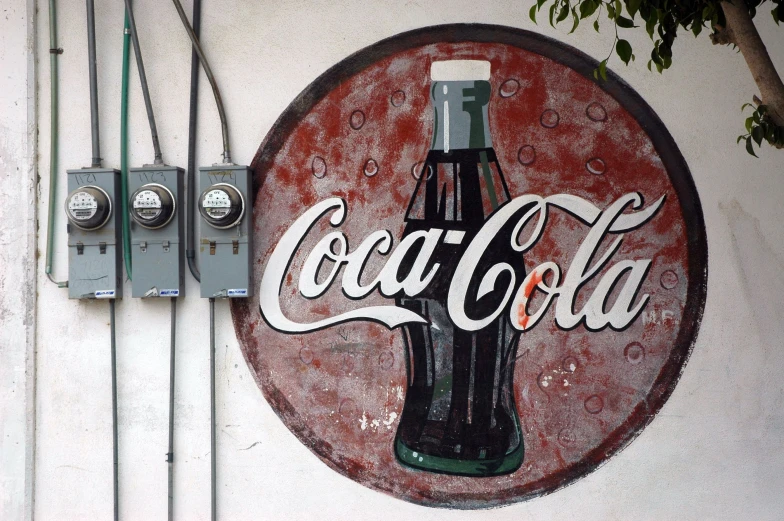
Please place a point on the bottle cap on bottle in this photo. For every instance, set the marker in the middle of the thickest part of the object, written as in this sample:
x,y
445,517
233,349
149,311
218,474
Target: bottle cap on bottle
x,y
460,70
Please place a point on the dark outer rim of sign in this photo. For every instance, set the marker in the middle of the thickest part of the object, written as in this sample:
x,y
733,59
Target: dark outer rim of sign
x,y
679,175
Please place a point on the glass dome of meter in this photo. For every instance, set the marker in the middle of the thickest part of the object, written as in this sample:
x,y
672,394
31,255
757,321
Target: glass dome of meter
x,y
88,207
152,206
222,205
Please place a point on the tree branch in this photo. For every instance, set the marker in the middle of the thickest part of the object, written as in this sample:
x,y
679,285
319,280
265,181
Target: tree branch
x,y
722,36
744,34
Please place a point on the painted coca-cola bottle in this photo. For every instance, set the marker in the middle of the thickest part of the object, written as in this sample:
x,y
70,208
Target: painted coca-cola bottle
x,y
459,415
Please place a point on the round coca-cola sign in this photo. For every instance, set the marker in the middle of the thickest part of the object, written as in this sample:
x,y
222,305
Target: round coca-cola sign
x,y
481,271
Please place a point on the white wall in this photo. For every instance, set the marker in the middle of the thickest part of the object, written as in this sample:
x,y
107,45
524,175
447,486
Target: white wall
x,y
17,258
716,450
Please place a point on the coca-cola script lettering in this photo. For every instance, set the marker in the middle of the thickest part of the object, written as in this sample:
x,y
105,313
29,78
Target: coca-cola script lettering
x,y
323,265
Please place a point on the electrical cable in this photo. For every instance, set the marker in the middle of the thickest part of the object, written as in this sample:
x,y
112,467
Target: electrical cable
x,y
54,139
126,226
145,89
96,162
170,454
190,251
208,71
213,495
115,458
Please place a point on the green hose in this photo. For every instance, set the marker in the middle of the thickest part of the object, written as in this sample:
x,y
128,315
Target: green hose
x,y
126,230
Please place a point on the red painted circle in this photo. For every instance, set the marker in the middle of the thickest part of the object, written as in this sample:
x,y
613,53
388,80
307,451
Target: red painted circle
x,y
581,395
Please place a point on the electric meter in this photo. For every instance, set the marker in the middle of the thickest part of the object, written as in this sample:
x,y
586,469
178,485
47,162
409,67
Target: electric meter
x,y
222,206
157,231
152,206
226,245
88,207
94,234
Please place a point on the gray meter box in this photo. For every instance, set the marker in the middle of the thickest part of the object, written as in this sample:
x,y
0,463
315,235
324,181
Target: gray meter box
x,y
94,256
157,247
225,254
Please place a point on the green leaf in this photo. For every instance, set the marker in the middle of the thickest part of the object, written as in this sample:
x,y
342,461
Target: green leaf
x,y
624,50
739,138
603,69
756,117
743,107
596,73
552,13
596,25
563,14
649,65
587,8
539,4
611,12
750,147
775,13
618,6
758,134
532,13
696,19
632,6
576,20
749,122
624,22
650,26
696,29
655,56
665,51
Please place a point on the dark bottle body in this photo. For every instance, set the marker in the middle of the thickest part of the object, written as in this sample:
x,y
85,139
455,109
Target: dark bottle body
x,y
459,415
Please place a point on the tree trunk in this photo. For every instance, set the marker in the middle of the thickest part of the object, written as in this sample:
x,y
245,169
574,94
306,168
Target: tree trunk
x,y
744,34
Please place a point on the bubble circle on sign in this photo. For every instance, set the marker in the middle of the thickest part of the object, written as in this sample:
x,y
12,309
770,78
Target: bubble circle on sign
x,y
582,394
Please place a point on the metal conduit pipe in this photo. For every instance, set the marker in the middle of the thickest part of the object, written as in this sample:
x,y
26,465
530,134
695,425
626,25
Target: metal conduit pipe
x,y
145,88
214,84
115,456
190,251
54,141
213,456
96,161
170,454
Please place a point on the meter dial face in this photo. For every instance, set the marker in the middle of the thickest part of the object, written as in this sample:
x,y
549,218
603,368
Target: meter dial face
x,y
152,206
82,206
222,206
147,205
88,207
217,204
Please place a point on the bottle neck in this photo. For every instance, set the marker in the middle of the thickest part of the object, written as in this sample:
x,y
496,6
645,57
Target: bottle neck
x,y
460,113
